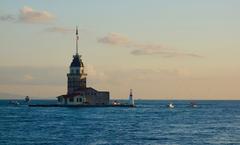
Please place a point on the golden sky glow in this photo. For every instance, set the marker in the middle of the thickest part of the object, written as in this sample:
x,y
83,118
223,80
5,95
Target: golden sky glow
x,y
160,49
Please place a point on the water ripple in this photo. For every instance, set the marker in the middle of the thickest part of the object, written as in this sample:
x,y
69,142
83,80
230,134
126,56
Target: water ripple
x,y
213,122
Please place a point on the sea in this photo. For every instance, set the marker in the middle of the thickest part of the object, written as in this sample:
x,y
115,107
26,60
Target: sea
x,y
149,123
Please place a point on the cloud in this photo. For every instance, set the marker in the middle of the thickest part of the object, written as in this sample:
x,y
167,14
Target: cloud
x,y
114,39
162,53
7,17
144,48
25,75
107,77
28,77
29,15
59,29
95,75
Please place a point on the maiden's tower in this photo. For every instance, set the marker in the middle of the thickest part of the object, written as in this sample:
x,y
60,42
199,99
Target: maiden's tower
x,y
77,91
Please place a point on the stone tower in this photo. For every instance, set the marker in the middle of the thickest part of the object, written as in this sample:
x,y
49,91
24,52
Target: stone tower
x,y
76,77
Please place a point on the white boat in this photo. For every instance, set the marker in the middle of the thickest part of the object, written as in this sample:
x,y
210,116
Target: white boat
x,y
170,105
193,105
116,103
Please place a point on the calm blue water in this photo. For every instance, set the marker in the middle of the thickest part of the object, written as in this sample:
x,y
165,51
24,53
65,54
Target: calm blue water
x,y
213,122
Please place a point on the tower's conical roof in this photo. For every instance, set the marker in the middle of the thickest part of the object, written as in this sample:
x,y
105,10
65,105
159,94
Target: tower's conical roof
x,y
77,61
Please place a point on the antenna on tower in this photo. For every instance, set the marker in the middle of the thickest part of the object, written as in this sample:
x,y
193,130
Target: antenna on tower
x,y
77,38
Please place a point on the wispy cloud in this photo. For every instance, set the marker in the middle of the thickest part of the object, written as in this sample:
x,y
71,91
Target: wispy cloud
x,y
143,48
32,75
29,15
163,53
28,77
114,39
136,76
59,29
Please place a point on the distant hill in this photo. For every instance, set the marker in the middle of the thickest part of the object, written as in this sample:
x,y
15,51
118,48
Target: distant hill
x,y
4,95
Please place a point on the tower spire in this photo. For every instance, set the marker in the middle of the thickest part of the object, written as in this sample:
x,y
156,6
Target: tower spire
x,y
77,38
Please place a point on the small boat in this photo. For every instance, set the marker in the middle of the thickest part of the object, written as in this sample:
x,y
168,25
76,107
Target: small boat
x,y
193,105
170,105
116,103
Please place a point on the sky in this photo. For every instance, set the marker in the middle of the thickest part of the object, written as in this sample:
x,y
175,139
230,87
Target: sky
x,y
161,49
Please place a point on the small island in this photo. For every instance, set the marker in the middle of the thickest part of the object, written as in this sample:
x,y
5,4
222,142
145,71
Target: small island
x,y
78,94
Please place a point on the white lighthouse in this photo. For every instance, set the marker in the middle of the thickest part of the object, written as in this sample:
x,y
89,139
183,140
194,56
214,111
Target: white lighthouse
x,y
131,101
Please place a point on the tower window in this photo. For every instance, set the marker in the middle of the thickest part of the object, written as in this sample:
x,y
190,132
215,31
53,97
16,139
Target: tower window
x,y
79,99
71,100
